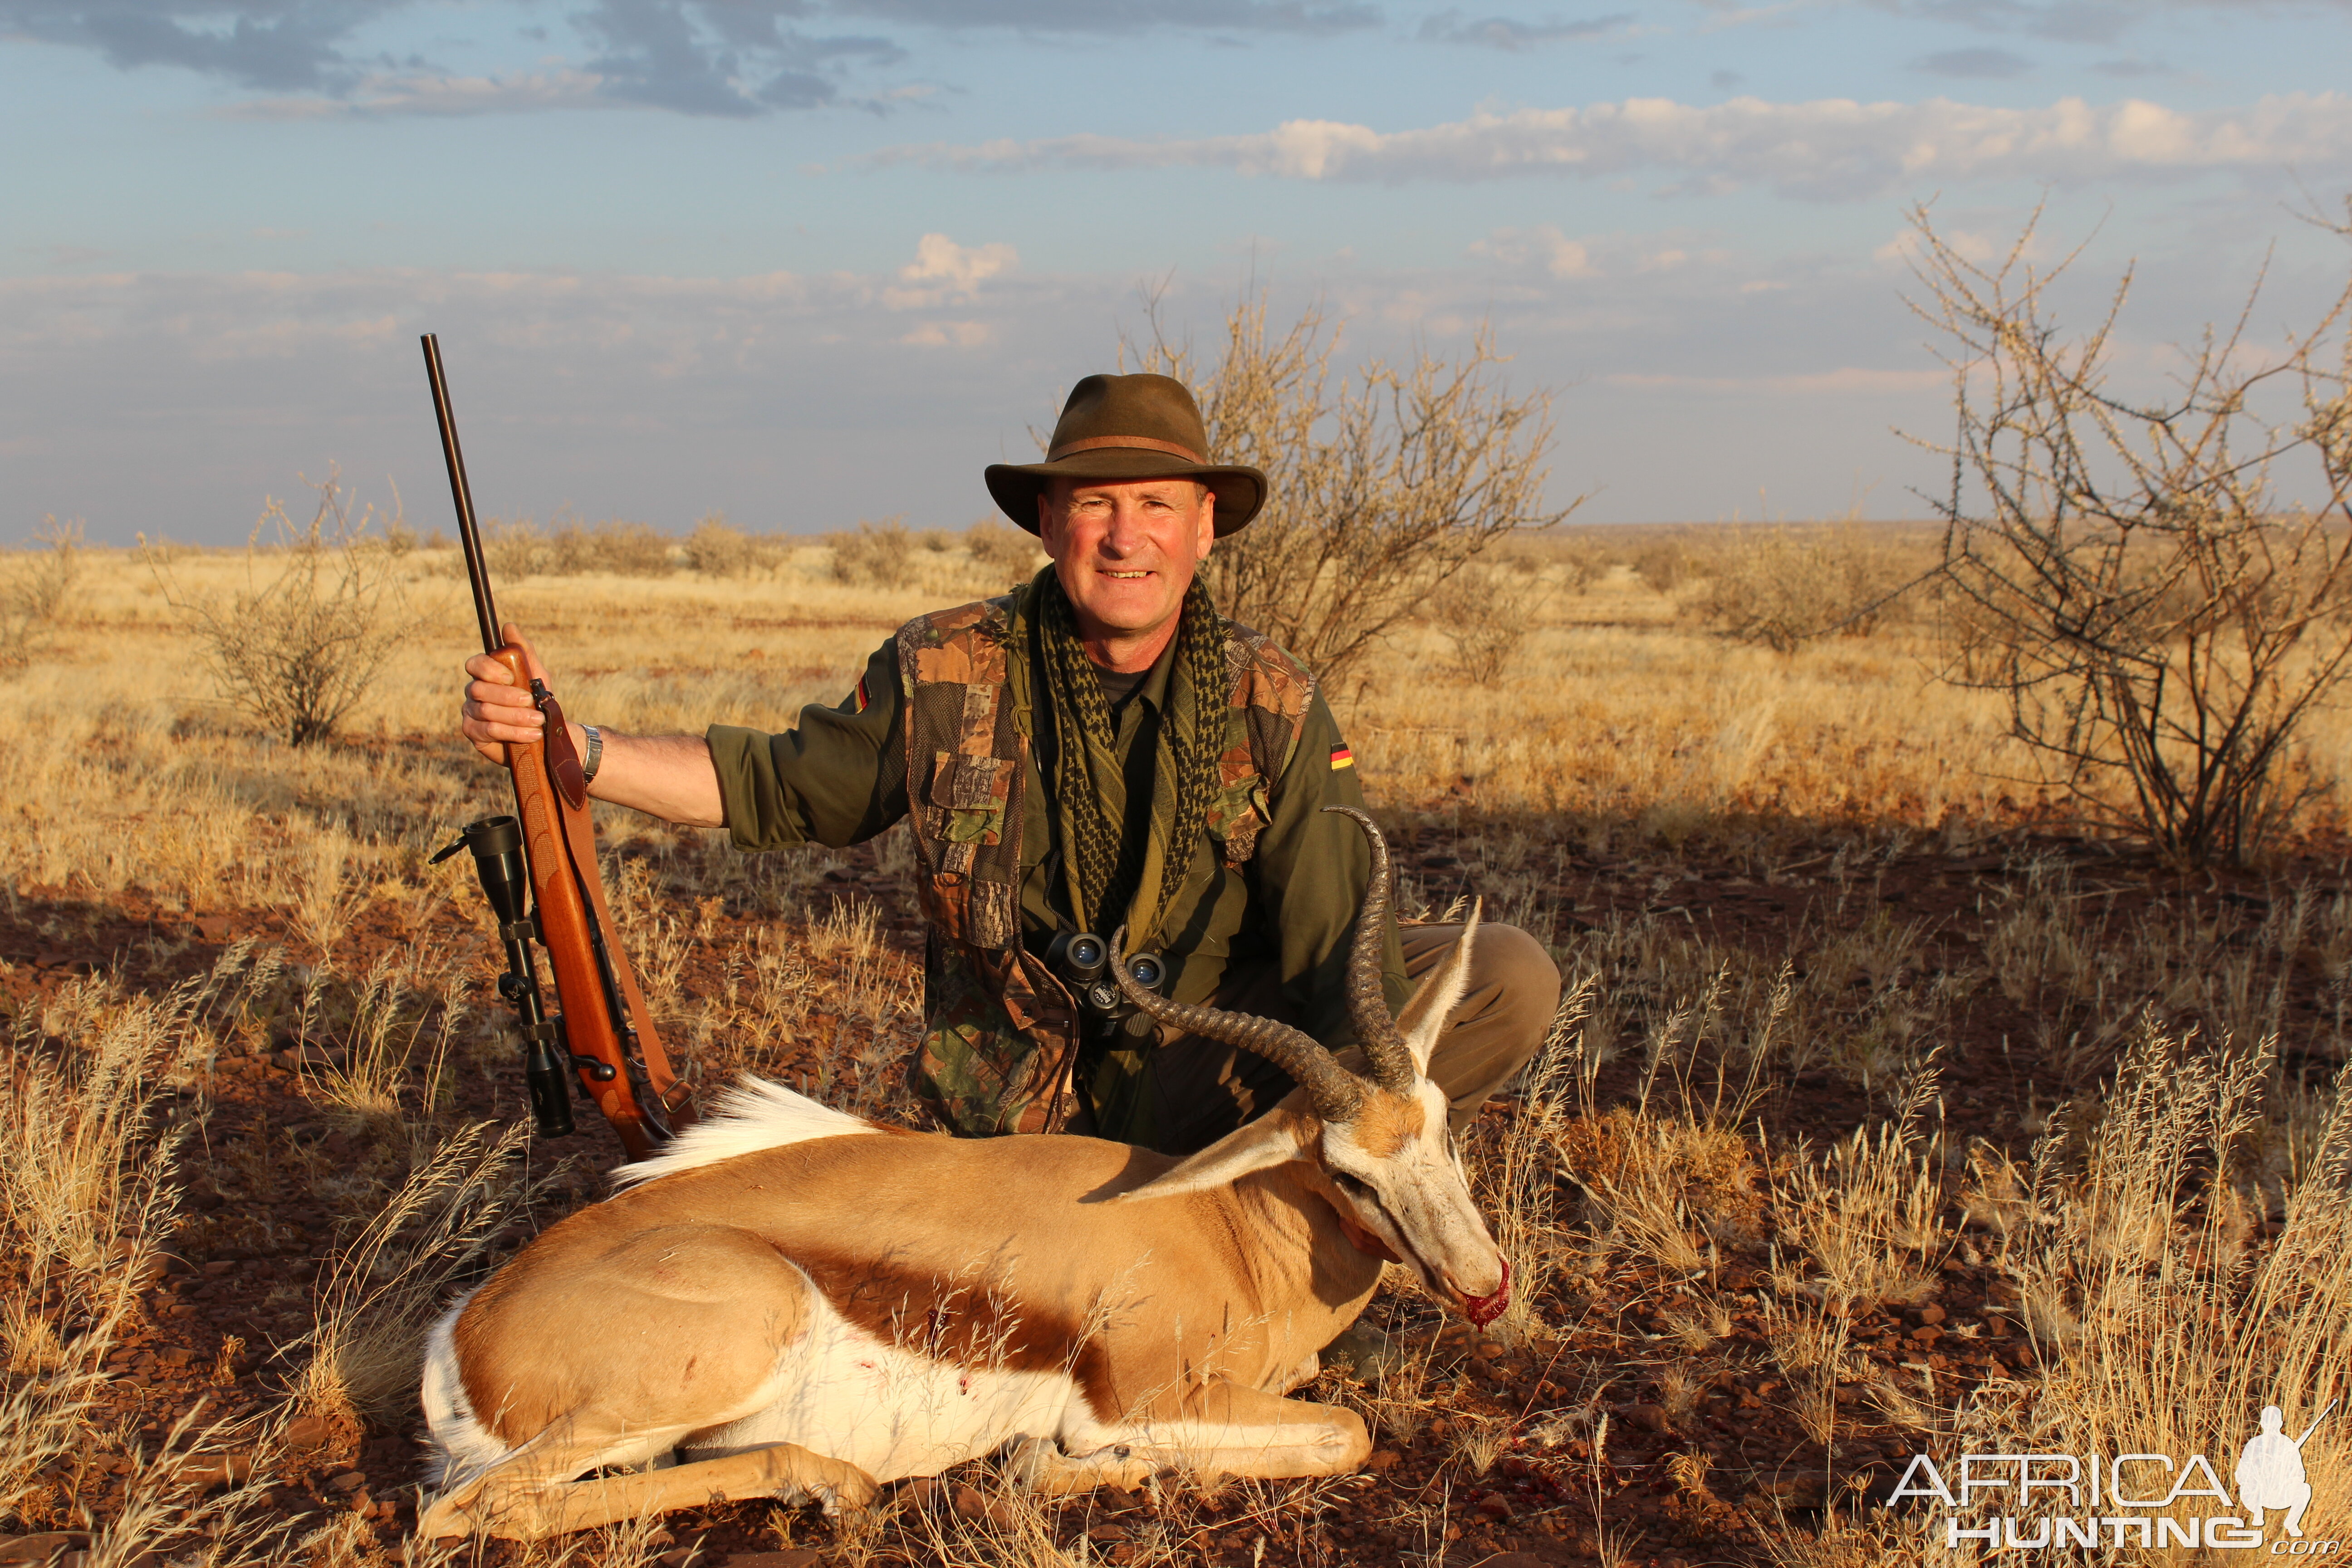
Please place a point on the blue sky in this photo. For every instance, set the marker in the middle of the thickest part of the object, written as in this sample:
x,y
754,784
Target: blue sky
x,y
805,261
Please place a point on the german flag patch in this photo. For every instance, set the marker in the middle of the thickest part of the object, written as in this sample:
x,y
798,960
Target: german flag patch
x,y
863,698
1341,757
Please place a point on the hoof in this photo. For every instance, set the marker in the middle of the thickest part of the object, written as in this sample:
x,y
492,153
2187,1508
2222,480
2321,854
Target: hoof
x,y
852,1496
1033,1463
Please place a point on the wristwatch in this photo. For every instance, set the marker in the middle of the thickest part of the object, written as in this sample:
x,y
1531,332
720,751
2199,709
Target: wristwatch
x,y
595,754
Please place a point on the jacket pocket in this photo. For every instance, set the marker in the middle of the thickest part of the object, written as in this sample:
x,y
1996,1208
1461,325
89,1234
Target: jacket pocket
x,y
968,797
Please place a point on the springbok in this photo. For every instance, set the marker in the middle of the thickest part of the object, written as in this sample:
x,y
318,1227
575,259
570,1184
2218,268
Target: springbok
x,y
793,1302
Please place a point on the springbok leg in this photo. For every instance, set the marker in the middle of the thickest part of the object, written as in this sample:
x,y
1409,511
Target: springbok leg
x,y
521,1506
1226,1428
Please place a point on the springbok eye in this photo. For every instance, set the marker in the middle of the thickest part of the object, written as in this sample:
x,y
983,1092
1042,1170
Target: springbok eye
x,y
1353,1187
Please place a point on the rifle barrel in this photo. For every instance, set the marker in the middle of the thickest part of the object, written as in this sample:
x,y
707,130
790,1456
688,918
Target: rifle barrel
x,y
469,536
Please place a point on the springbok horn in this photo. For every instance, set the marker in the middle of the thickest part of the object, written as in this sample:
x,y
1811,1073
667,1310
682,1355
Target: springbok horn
x,y
1338,1093
1367,1003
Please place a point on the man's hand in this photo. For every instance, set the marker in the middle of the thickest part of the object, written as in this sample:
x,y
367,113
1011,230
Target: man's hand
x,y
498,711
668,776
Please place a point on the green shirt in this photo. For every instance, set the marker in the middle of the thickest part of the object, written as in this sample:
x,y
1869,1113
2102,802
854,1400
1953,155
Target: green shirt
x,y
840,777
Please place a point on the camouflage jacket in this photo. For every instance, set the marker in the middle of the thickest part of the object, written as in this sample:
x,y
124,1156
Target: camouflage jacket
x,y
940,732
1001,1035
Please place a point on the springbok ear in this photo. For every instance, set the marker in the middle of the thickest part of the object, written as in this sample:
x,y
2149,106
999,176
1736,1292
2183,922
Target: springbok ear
x,y
1275,1138
1440,992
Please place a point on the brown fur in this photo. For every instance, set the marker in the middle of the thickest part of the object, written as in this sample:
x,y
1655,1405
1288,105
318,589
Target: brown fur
x,y
964,1321
1001,1249
1388,1124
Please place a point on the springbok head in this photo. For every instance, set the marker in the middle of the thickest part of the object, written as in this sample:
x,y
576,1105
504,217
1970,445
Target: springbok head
x,y
1378,1142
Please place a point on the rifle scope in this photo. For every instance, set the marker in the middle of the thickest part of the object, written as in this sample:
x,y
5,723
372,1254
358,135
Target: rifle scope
x,y
496,846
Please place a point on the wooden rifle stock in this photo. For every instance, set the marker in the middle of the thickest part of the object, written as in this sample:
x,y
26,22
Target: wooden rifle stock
x,y
604,1024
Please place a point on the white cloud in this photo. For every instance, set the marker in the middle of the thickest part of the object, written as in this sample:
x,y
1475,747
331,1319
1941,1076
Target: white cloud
x,y
807,400
1976,247
937,255
1562,257
427,94
950,269
951,334
1828,149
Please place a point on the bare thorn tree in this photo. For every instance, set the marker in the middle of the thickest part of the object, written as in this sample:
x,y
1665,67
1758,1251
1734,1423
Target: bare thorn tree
x,y
2160,620
1378,493
298,646
36,591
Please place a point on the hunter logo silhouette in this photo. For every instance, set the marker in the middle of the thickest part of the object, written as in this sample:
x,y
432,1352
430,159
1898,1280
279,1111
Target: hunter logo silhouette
x,y
2270,1470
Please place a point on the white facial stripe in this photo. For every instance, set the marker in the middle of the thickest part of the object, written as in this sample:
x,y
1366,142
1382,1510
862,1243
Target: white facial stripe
x,y
1418,1201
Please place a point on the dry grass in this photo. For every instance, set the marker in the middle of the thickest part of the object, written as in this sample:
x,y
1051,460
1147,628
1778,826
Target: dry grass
x,y
2152,1246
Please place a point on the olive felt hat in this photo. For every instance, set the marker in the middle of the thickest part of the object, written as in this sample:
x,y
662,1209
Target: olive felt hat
x,y
1128,427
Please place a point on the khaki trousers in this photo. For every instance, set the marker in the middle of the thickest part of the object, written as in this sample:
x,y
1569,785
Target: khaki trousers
x,y
1201,1090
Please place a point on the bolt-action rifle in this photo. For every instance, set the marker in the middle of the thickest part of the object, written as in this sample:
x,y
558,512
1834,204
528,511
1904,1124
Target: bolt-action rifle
x,y
603,1032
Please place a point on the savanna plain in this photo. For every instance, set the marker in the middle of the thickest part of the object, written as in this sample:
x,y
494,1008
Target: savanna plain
x,y
1898,1105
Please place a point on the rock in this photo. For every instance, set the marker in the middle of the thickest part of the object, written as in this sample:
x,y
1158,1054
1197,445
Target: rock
x,y
1649,1417
1514,1559
1383,1459
1927,1334
1931,1313
345,1481
790,1557
1799,1489
970,1504
309,1432
40,1548
205,1471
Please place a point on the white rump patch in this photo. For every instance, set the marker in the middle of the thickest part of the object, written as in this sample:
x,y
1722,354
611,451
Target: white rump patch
x,y
462,1447
753,1115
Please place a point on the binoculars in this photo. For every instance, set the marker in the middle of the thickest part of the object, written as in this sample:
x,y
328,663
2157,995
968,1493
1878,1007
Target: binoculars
x,y
1083,959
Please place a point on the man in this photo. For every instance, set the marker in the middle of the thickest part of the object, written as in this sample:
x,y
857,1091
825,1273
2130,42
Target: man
x,y
1097,750
2270,1471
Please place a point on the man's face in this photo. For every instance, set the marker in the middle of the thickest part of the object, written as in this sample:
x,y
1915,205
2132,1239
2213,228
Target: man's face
x,y
1126,549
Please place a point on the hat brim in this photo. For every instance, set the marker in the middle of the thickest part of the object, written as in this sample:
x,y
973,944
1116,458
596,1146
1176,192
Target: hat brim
x,y
1240,490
